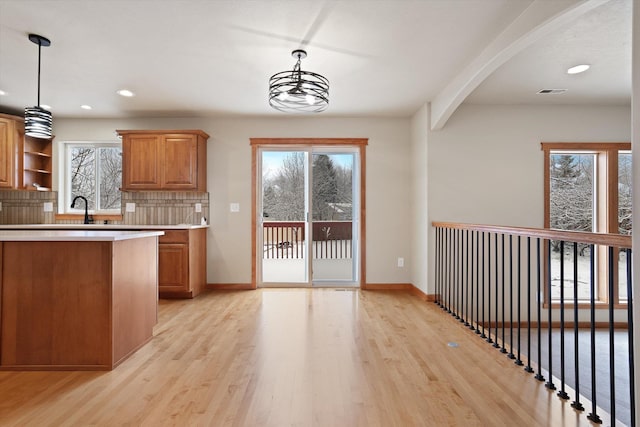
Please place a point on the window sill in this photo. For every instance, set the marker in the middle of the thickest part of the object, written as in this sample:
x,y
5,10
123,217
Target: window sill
x,y
96,217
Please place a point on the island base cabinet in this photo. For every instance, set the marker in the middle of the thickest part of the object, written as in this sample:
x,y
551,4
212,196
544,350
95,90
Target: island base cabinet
x,y
76,305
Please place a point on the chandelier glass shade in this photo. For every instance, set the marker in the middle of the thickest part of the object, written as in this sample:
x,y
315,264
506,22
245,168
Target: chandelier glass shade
x,y
298,91
38,122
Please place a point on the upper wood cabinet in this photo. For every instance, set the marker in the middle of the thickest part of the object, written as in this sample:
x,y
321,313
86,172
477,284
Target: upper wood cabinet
x,y
164,160
24,161
8,153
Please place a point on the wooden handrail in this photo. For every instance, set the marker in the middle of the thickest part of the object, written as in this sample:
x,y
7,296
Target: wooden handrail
x,y
615,240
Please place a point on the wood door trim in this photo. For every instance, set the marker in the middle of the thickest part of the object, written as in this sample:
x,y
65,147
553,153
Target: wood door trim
x,y
360,143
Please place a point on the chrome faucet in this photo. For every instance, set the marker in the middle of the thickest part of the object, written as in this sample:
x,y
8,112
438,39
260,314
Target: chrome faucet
x,y
87,219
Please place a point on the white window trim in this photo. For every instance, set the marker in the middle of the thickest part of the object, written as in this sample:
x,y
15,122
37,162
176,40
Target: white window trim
x,y
63,178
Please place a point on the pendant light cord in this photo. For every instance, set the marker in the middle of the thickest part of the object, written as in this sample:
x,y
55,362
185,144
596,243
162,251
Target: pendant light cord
x,y
39,55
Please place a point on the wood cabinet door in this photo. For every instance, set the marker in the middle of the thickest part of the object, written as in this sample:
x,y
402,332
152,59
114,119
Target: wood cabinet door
x,y
7,156
180,162
173,267
141,158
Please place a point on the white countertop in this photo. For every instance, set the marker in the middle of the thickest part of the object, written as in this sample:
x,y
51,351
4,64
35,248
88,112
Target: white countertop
x,y
99,227
73,235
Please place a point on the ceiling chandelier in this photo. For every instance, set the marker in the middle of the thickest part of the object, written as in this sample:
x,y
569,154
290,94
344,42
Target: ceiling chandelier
x,y
38,122
298,91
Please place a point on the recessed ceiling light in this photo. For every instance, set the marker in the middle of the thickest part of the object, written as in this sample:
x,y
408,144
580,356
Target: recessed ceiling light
x,y
551,91
45,106
125,92
2,93
578,69
85,107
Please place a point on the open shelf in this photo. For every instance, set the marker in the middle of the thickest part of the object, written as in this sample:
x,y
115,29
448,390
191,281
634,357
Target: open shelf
x,y
37,163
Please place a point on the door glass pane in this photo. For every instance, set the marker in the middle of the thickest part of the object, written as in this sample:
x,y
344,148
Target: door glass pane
x,y
283,216
332,215
625,187
572,201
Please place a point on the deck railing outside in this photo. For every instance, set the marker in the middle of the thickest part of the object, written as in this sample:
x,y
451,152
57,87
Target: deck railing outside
x,y
331,239
497,281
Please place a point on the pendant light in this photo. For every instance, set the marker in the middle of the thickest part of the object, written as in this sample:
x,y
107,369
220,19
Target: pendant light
x,y
298,91
38,122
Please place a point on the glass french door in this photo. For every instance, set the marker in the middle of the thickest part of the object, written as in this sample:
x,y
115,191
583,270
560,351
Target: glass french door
x,y
308,216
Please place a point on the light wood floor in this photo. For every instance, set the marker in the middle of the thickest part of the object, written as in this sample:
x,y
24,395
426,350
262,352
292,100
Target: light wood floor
x,y
319,357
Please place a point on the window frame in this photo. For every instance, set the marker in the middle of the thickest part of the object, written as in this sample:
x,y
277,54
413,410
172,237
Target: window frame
x,y
605,207
64,184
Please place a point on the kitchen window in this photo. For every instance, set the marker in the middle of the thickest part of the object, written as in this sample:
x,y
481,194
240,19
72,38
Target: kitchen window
x,y
92,170
588,188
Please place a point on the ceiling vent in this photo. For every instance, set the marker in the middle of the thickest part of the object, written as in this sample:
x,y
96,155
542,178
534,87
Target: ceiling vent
x,y
551,91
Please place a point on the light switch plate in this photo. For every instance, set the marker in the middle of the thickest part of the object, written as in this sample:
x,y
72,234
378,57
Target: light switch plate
x,y
48,206
198,207
234,207
131,207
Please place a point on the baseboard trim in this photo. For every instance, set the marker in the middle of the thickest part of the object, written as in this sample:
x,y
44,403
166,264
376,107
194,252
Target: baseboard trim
x,y
386,287
230,286
420,294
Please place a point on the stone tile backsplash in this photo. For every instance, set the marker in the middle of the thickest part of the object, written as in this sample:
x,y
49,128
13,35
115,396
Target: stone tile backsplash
x,y
151,208
164,207
27,207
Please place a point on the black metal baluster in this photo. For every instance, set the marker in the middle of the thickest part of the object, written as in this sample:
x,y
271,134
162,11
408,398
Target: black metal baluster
x,y
489,340
550,385
461,280
478,283
483,335
510,355
438,258
503,349
576,403
562,394
539,375
593,416
457,276
632,390
518,359
449,270
466,285
471,285
495,336
528,368
612,361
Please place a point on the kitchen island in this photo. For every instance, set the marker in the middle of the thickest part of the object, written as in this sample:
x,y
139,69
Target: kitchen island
x,y
76,300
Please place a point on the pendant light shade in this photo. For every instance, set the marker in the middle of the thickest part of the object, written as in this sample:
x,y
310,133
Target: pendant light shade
x,y
298,91
38,122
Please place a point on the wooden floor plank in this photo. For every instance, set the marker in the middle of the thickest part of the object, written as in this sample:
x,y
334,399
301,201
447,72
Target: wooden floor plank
x,y
282,357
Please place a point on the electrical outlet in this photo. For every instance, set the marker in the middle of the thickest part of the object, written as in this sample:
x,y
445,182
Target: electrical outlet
x,y
48,206
198,207
130,207
400,262
234,207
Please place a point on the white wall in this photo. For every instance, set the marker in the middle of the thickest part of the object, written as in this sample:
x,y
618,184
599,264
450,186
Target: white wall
x,y
229,180
486,166
420,209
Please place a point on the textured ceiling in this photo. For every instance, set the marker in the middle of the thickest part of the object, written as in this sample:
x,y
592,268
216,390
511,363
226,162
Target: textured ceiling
x,y
382,57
